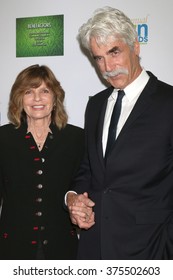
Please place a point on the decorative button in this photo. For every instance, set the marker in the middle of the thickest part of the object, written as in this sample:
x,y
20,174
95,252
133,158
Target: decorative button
x,y
39,199
39,214
35,228
45,242
39,186
33,242
32,147
39,172
5,235
42,228
43,159
51,136
36,159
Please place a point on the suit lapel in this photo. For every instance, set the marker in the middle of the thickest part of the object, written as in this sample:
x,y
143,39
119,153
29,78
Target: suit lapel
x,y
143,102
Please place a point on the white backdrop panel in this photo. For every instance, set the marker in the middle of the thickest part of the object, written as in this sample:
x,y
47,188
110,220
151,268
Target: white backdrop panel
x,y
77,76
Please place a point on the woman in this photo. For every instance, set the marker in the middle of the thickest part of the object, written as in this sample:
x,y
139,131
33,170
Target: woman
x,y
39,155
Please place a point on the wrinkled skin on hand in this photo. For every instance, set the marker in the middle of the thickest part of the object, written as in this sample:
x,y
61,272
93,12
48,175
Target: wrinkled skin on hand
x,y
81,210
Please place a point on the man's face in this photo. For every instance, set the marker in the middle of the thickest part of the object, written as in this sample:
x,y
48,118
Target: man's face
x,y
118,64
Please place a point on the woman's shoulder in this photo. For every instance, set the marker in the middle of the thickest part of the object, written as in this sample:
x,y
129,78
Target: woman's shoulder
x,y
69,131
7,127
7,132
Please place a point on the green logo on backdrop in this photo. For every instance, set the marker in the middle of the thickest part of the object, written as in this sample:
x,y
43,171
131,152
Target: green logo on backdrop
x,y
40,36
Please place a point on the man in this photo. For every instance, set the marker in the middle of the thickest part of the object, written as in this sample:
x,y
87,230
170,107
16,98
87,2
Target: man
x,y
124,198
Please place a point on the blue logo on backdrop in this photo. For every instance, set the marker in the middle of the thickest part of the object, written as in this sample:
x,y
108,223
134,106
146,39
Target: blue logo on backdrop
x,y
141,25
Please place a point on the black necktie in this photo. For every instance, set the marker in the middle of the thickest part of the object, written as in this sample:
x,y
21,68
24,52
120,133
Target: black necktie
x,y
113,123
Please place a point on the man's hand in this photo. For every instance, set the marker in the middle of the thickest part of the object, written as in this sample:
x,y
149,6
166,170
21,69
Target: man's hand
x,y
81,210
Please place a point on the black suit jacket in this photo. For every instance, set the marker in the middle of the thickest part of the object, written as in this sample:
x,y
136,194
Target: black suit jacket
x,y
133,192
32,188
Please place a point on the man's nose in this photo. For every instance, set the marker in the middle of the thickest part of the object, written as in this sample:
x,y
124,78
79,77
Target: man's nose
x,y
108,64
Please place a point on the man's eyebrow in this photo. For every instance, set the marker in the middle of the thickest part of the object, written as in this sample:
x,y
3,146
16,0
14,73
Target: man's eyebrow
x,y
108,52
113,50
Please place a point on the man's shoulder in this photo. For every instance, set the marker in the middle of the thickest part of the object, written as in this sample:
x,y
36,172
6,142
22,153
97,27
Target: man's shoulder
x,y
104,94
160,83
73,130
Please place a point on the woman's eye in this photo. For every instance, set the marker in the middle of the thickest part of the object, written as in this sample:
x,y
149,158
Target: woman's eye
x,y
28,91
45,91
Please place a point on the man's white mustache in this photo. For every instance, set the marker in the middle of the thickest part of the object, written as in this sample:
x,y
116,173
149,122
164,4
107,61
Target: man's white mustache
x,y
114,73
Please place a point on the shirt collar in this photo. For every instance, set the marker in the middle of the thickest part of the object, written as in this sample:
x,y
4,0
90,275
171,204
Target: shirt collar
x,y
135,88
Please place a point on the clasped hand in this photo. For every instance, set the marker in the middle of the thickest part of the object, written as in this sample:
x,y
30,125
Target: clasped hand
x,y
81,210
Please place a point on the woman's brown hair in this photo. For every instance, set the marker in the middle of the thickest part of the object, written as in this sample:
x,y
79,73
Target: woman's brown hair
x,y
32,77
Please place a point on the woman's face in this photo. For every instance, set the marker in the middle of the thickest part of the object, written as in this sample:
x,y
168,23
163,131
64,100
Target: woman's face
x,y
38,102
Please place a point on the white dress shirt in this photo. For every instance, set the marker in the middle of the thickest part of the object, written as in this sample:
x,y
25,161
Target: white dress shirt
x,y
132,93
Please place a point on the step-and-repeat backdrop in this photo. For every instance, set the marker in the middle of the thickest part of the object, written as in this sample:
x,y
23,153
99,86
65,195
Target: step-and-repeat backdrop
x,y
44,32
